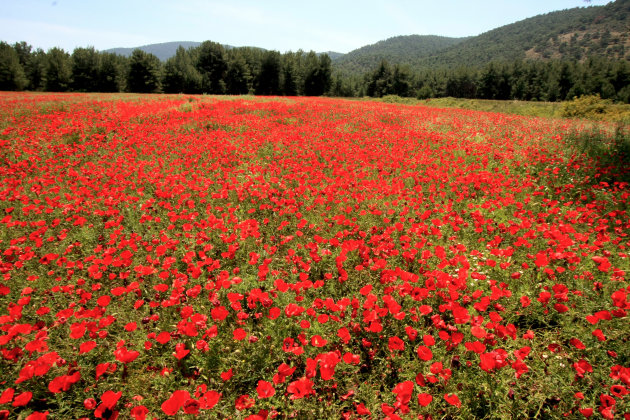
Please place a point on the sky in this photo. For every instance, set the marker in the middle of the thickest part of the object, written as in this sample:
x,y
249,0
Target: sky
x,y
321,25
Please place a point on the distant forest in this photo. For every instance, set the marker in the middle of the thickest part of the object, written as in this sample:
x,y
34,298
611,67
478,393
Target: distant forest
x,y
209,68
213,69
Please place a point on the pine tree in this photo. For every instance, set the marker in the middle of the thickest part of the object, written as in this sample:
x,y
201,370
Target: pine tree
x,y
11,71
58,70
144,72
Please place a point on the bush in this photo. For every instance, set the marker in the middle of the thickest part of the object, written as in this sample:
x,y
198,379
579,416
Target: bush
x,y
585,107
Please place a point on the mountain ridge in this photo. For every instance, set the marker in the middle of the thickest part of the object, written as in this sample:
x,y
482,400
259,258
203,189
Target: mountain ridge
x,y
574,34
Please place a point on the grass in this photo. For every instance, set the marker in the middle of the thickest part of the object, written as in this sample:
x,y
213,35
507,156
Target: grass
x,y
605,111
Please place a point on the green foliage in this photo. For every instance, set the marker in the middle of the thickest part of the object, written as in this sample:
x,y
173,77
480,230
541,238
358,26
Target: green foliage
x,y
289,77
58,70
163,50
212,66
343,86
595,108
268,80
237,77
541,37
585,107
11,71
111,77
35,69
85,67
518,80
206,68
410,50
144,73
318,75
573,35
386,80
180,74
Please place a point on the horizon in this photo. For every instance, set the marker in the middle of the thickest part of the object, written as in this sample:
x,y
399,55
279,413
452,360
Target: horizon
x,y
275,25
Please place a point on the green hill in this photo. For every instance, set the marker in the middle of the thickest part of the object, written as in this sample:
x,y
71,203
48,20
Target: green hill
x,y
574,34
409,49
162,51
166,50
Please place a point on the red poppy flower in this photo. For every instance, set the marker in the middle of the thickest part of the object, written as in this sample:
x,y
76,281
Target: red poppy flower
x,y
424,399
87,346
403,392
227,375
424,353
171,406
265,389
300,388
244,402
318,341
139,412
126,356
239,334
453,399
22,399
180,351
396,344
209,399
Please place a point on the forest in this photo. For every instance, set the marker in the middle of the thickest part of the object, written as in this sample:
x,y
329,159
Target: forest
x,y
211,68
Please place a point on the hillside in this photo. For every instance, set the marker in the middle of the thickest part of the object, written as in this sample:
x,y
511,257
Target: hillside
x,y
162,51
410,49
574,34
166,50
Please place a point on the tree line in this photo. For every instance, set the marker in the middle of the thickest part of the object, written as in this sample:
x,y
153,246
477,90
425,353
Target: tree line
x,y
529,80
209,68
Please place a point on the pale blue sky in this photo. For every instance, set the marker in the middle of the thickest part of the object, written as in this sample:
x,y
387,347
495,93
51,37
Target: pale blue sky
x,y
320,25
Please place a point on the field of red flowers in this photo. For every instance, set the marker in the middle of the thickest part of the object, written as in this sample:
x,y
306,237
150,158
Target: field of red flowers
x,y
302,258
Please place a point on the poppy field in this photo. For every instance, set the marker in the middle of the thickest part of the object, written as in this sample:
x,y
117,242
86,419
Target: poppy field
x,y
168,256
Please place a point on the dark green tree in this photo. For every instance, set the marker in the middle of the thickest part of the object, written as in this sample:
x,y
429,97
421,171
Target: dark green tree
x,y
565,80
144,72
290,73
401,81
11,72
425,92
342,87
619,77
489,82
36,70
58,70
212,65
111,77
379,82
237,76
180,74
24,52
268,80
253,59
517,82
462,84
85,65
534,80
318,74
